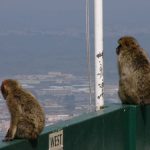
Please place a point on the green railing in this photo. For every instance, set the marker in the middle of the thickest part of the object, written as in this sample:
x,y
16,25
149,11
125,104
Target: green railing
x,y
116,127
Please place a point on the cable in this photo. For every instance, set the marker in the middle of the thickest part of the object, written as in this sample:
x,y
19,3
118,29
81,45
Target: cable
x,y
88,50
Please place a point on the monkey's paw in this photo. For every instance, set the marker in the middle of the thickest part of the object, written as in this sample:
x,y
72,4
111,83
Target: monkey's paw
x,y
7,139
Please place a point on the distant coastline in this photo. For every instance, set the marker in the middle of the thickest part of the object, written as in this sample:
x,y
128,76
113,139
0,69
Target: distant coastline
x,y
62,95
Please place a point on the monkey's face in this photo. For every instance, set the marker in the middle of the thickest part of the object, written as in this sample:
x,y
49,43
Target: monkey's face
x,y
4,90
126,43
7,86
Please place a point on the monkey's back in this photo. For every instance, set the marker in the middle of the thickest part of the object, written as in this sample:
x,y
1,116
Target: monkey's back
x,y
32,117
134,70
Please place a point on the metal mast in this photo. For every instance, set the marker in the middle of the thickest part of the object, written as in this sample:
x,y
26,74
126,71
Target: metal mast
x,y
98,29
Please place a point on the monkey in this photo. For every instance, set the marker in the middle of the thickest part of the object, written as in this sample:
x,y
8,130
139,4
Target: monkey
x,y
134,72
27,117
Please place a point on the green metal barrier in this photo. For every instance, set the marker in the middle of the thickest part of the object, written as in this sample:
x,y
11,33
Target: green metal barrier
x,y
116,127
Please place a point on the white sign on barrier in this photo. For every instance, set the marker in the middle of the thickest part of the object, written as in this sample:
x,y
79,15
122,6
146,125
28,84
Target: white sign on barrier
x,y
56,140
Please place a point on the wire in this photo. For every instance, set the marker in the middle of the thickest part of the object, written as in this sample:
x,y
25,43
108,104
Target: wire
x,y
88,51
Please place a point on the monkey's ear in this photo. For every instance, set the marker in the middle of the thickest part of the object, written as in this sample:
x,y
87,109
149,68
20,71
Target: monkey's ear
x,y
123,42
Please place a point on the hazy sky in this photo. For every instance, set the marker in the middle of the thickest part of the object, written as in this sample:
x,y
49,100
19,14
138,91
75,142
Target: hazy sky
x,y
70,14
67,18
132,11
40,14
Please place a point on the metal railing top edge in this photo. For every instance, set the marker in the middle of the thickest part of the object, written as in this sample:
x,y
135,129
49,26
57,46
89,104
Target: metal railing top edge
x,y
84,117
77,120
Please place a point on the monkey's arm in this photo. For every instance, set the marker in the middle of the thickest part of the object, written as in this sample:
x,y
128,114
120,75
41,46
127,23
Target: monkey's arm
x,y
14,109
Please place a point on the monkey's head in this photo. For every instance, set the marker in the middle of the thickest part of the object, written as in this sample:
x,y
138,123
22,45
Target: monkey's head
x,y
8,86
126,43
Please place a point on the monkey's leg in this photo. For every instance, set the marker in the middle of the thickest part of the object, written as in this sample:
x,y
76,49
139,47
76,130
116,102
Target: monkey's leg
x,y
26,130
127,92
11,132
15,113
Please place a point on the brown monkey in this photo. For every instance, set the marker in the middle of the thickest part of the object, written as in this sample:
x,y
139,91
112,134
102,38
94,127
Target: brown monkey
x,y
27,116
134,72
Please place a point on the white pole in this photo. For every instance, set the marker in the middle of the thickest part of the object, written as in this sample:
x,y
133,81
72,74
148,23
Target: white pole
x,y
99,81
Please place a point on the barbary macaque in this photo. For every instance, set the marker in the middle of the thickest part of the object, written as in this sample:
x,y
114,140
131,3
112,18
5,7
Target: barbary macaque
x,y
134,72
27,116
